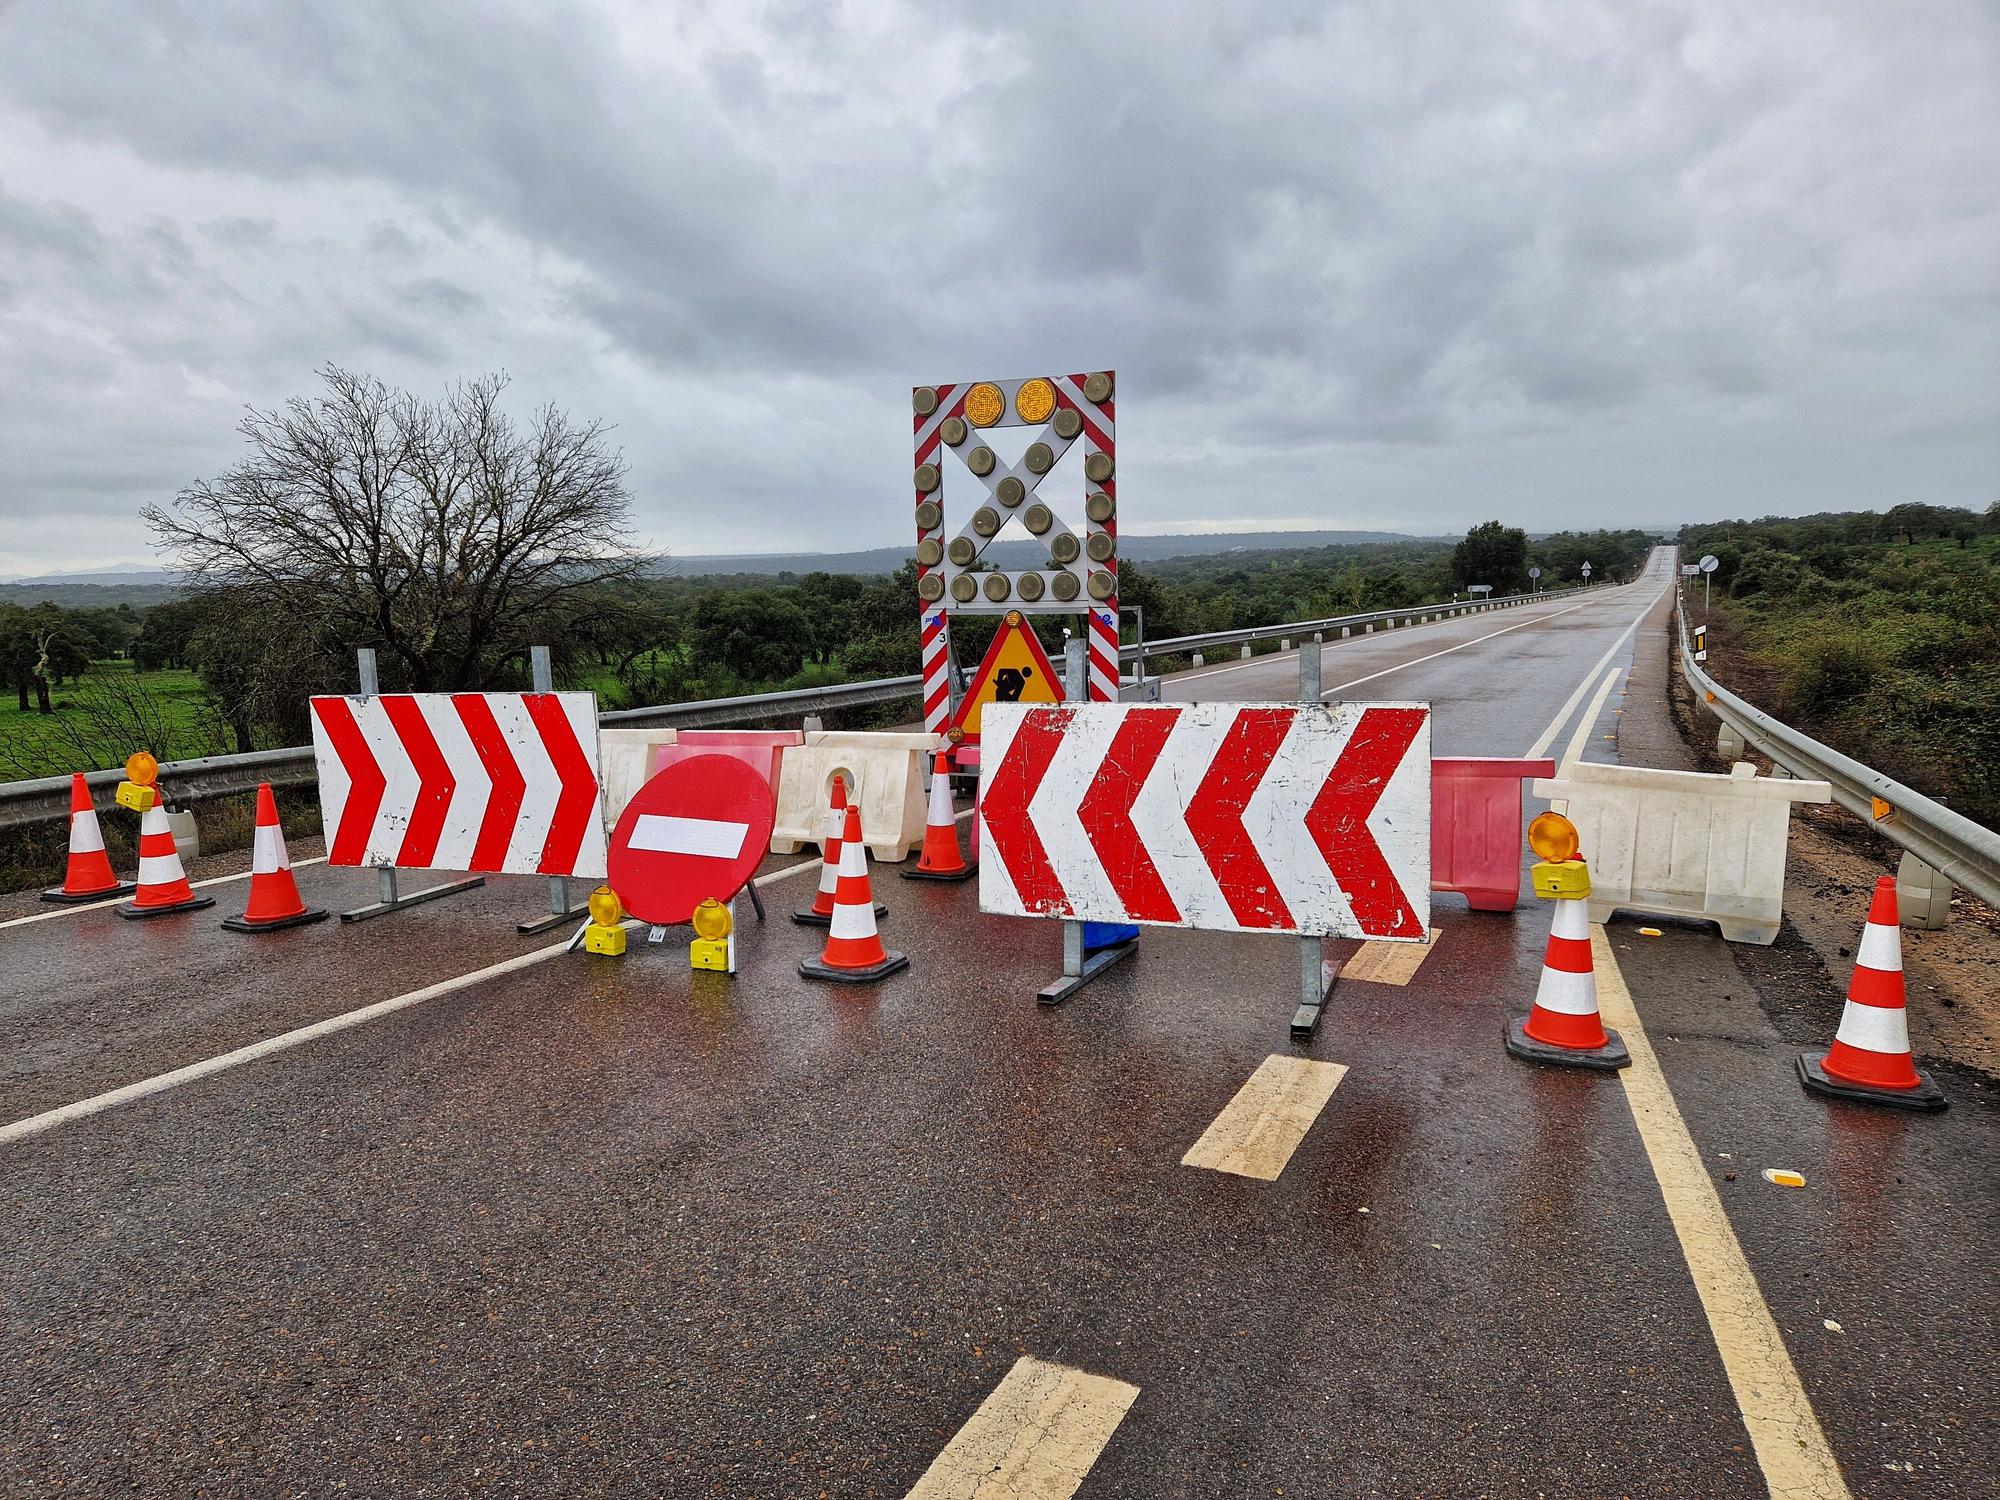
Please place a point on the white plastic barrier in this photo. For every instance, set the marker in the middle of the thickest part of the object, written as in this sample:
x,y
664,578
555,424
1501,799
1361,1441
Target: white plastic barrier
x,y
624,758
887,769
1684,843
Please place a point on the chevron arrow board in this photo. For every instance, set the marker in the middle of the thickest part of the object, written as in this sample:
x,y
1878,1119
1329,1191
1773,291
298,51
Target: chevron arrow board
x,y
1227,817
498,783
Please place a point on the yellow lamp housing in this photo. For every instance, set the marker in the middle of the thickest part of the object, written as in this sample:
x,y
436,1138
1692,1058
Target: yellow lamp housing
x,y
138,796
1560,880
714,946
609,941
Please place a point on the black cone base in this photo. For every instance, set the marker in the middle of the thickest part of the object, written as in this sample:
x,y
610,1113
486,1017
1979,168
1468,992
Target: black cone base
x,y
276,924
139,913
812,968
942,875
1606,1059
811,918
1813,1074
124,888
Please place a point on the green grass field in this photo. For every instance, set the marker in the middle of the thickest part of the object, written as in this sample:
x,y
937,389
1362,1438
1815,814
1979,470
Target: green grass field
x,y
111,705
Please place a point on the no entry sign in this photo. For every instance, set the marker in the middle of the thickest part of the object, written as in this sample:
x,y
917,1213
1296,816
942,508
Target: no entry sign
x,y
1222,816
696,830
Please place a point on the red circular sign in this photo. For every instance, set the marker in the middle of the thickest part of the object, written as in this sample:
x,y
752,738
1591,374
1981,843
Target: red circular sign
x,y
696,830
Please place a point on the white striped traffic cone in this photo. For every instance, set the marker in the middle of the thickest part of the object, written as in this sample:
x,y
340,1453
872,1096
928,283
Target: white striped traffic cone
x,y
1564,1027
941,859
163,884
88,876
274,901
1870,1057
854,953
821,911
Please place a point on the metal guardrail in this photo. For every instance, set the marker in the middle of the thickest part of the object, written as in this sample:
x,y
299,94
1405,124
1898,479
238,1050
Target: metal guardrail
x,y
1959,849
47,799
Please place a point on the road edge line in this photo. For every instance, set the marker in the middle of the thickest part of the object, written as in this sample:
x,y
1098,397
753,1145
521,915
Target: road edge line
x,y
160,1083
1785,1432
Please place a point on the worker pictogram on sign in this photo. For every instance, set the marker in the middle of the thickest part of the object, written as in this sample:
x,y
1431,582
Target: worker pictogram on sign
x,y
500,783
1016,670
1221,816
695,832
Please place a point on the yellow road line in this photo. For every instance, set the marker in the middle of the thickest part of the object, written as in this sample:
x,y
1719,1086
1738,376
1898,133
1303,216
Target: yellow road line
x,y
1792,1450
1258,1130
1388,963
1035,1436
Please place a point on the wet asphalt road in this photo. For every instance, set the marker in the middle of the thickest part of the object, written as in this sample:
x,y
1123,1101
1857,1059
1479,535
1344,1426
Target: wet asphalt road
x,y
610,1227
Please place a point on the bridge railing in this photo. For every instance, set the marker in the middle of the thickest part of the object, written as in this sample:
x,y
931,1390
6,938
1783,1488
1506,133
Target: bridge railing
x,y
47,798
1959,849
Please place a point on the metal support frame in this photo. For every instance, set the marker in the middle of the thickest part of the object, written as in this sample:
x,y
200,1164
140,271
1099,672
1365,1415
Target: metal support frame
x,y
1077,968
1315,984
370,682
560,909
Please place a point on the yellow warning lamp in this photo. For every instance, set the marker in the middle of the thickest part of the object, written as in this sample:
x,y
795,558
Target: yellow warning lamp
x,y
137,791
605,934
1035,400
712,948
1562,875
984,404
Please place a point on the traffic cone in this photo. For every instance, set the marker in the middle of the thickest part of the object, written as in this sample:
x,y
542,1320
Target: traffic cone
x,y
941,859
163,884
274,894
854,953
88,877
821,911
1563,1027
1870,1056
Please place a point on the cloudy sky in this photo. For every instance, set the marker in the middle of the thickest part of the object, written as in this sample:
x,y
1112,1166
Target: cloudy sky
x,y
1357,265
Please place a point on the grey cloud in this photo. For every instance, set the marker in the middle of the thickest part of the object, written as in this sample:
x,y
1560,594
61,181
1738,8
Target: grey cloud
x,y
1342,255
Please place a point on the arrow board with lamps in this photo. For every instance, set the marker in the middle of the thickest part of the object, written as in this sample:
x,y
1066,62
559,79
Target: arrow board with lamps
x,y
1016,670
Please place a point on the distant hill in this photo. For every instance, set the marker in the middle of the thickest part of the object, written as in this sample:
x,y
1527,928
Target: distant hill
x,y
121,573
1024,554
90,595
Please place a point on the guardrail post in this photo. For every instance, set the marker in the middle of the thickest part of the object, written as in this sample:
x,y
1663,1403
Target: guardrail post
x,y
1200,660
1728,743
1244,654
1923,896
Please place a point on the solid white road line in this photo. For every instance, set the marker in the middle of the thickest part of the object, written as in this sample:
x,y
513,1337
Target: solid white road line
x,y
1259,1129
1785,1433
1584,725
1036,1436
70,911
161,1082
1462,645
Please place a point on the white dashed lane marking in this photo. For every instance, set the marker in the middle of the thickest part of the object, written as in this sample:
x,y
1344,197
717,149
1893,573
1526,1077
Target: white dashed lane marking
x,y
1036,1435
1258,1130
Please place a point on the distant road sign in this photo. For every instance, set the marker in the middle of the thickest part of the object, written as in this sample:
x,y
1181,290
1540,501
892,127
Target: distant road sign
x,y
1690,570
1709,563
1586,570
1534,572
1479,588
696,830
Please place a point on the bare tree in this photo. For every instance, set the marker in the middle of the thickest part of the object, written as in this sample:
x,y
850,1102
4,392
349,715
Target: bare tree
x,y
436,531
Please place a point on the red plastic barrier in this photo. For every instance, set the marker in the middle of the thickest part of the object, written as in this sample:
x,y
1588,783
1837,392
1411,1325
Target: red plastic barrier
x,y
1476,827
760,749
966,758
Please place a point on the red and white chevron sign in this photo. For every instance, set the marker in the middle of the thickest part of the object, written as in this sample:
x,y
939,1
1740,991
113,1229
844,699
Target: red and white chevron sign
x,y
1223,816
499,783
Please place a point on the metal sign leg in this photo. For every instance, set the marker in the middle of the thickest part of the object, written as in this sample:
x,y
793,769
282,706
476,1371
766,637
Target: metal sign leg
x,y
389,898
560,909
1315,985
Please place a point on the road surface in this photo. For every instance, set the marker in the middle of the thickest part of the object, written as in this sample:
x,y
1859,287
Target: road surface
x,y
554,1225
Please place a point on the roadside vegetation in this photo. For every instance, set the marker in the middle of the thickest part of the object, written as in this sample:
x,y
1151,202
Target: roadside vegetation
x,y
1876,632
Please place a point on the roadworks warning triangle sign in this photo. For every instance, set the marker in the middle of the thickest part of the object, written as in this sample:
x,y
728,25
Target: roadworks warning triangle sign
x,y
1016,670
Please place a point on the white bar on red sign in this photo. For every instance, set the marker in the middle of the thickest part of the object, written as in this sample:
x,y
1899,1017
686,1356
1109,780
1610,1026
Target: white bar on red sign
x,y
1220,816
495,783
701,836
